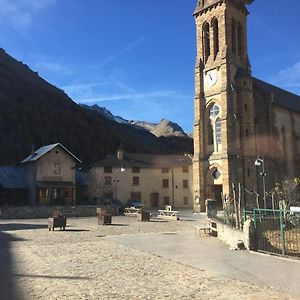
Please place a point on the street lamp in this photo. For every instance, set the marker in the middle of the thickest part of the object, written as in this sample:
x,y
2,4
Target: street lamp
x,y
260,162
116,180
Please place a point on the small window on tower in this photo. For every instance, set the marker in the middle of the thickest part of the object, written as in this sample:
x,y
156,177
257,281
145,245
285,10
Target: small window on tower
x,y
214,111
216,174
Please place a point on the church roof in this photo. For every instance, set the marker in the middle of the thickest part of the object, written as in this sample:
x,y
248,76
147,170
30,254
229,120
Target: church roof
x,y
280,97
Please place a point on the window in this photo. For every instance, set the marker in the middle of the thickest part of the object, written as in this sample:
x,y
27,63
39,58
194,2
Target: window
x,y
185,200
135,180
135,170
107,169
233,37
245,107
248,172
185,183
107,180
185,169
165,183
216,174
166,200
206,42
56,168
218,131
165,170
246,132
215,129
216,36
214,111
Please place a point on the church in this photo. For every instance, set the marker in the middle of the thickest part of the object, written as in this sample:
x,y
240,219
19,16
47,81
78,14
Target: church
x,y
246,131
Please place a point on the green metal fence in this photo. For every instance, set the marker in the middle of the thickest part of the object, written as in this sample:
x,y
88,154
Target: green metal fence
x,y
276,231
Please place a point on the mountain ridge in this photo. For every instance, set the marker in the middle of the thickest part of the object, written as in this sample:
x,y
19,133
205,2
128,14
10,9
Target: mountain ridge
x,y
35,113
165,128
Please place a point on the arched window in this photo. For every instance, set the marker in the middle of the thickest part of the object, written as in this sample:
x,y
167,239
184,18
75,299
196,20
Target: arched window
x,y
215,26
214,111
233,36
240,40
218,129
214,114
206,41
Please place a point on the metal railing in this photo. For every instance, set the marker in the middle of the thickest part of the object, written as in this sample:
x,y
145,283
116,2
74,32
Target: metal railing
x,y
276,231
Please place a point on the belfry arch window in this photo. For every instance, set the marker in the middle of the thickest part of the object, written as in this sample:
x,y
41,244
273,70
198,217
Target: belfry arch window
x,y
233,36
216,124
206,41
215,26
240,40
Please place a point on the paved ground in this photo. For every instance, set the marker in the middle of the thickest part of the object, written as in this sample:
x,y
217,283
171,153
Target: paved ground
x,y
130,260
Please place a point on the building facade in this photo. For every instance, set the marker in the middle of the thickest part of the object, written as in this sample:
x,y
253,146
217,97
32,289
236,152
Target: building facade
x,y
155,180
237,118
50,175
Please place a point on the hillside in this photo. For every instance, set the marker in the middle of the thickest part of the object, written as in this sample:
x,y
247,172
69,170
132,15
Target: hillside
x,y
35,113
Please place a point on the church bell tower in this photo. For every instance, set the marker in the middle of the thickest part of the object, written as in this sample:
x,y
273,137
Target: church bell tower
x,y
224,146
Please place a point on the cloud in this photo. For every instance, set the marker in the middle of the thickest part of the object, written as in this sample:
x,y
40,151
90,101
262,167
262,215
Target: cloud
x,y
134,96
289,77
126,49
20,13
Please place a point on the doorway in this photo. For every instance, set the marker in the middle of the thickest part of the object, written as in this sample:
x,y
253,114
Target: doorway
x,y
154,199
217,191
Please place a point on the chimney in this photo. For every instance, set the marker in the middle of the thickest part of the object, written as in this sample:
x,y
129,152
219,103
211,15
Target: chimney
x,y
120,153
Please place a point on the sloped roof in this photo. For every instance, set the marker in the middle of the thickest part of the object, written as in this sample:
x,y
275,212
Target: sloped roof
x,y
12,178
45,149
281,97
146,161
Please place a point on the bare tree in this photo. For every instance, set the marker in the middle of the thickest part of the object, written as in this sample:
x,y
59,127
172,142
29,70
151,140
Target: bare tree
x,y
96,185
287,193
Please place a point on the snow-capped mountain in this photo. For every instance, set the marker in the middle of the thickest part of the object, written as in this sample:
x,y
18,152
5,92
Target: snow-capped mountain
x,y
163,128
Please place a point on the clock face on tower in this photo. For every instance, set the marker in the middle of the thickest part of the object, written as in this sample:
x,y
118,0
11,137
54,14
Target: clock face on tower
x,y
211,77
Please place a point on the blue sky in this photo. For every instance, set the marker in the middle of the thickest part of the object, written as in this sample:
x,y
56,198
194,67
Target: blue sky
x,y
136,57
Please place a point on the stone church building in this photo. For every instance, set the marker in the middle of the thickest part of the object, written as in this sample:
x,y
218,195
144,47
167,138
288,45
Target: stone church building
x,y
238,118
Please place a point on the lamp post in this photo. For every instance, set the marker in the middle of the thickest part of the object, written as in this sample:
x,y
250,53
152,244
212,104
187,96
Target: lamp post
x,y
116,180
260,162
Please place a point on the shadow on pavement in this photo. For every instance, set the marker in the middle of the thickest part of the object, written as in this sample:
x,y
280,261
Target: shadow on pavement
x,y
8,289
51,277
21,226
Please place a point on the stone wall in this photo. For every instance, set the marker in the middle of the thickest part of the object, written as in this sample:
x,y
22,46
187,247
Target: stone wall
x,y
234,237
29,212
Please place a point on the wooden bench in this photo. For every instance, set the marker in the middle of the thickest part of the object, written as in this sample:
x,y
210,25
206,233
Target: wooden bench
x,y
131,211
168,214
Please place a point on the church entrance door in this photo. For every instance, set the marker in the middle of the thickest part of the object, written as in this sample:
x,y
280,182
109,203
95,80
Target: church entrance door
x,y
217,192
